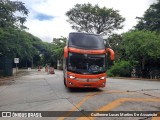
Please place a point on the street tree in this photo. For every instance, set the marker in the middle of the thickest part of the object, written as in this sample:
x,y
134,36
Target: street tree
x,y
114,41
151,19
57,49
93,19
142,49
8,18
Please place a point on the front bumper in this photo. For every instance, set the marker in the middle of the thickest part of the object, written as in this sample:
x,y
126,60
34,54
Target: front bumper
x,y
86,81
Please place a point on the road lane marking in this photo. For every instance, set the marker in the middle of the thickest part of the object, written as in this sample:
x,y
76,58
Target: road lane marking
x,y
76,107
118,102
85,99
156,118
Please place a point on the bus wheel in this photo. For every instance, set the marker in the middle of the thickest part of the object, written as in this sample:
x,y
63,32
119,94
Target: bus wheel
x,y
65,82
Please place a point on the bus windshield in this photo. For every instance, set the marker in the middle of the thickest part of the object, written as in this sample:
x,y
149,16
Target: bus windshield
x,y
86,41
86,63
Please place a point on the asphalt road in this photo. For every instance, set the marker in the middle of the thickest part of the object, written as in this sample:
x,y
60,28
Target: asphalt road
x,y
40,91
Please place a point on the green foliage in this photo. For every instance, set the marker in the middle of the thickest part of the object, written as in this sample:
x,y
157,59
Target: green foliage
x,y
8,43
151,18
57,47
93,19
14,42
7,14
114,41
141,45
142,49
120,69
17,43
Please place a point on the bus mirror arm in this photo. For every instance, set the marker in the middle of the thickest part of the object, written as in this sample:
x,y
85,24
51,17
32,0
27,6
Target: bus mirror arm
x,y
112,55
65,52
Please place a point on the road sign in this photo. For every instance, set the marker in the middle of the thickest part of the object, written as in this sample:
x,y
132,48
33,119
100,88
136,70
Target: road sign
x,y
16,60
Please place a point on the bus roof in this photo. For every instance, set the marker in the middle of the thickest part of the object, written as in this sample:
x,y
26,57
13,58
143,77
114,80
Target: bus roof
x,y
84,33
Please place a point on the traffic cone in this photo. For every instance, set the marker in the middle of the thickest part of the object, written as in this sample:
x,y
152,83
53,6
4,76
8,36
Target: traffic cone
x,y
39,69
51,70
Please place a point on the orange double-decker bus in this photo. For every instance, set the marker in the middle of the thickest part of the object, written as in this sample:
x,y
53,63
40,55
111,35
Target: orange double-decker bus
x,y
84,63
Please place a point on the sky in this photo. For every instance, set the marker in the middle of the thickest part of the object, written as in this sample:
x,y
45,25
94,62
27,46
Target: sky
x,y
47,19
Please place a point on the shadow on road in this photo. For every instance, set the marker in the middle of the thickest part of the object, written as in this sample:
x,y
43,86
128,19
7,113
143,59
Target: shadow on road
x,y
83,90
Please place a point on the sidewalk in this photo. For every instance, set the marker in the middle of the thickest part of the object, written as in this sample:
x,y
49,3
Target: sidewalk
x,y
19,73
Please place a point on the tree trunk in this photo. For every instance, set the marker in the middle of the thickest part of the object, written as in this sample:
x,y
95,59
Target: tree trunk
x,y
144,70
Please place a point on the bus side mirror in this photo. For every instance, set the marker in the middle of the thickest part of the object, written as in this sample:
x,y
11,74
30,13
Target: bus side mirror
x,y
111,53
65,52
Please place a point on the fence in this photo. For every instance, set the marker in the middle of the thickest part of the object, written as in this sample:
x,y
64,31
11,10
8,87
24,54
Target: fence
x,y
6,65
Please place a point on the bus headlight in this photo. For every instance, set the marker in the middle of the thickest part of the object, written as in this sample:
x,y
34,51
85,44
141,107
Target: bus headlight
x,y
72,77
102,78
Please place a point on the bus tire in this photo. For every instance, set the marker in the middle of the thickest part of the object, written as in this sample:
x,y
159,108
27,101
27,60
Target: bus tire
x,y
65,82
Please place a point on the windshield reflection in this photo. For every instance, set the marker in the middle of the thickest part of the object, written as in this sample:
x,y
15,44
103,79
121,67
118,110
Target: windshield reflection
x,y
86,63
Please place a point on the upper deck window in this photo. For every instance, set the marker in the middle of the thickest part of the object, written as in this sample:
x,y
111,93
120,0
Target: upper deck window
x,y
86,41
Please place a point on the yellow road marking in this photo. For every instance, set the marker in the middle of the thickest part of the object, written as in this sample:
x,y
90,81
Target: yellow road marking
x,y
118,102
86,98
75,108
156,118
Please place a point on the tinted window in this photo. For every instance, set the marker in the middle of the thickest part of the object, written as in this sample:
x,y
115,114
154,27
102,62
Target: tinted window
x,y
86,63
86,41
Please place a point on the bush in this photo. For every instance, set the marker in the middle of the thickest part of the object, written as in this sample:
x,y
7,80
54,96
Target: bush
x,y
120,69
